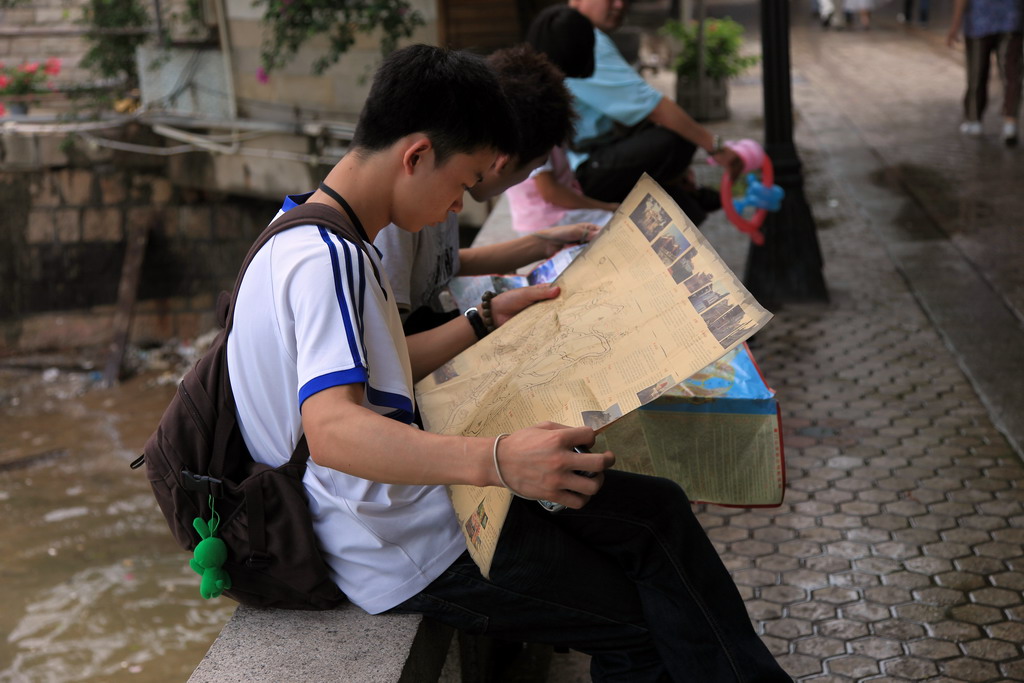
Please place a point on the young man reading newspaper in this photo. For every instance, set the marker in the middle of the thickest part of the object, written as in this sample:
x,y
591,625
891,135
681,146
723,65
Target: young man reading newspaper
x,y
625,574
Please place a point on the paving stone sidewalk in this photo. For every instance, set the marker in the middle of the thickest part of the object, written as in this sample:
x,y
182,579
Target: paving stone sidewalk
x,y
899,552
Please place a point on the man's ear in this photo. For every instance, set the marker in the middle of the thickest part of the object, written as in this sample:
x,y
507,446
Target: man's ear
x,y
501,162
415,152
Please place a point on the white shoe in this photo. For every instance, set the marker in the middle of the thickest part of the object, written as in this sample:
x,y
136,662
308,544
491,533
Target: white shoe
x,y
1010,133
971,128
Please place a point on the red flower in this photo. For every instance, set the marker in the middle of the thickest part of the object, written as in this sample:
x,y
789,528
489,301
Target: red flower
x,y
4,81
29,67
3,110
52,66
261,75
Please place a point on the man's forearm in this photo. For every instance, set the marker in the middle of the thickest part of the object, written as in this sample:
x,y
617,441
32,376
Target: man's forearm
x,y
668,114
431,349
505,257
348,437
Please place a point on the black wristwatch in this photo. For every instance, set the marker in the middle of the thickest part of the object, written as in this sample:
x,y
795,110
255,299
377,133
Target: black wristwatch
x,y
476,322
716,145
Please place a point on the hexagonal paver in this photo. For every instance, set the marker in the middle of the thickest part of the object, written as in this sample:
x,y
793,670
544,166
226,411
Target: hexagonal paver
x,y
876,647
835,595
844,629
970,669
820,647
999,550
947,550
866,611
992,650
907,579
923,614
898,629
799,548
798,665
897,551
754,577
854,579
805,578
727,534
928,565
828,564
788,628
1011,580
777,563
783,594
955,631
877,565
1012,631
813,611
856,667
773,534
933,649
1014,671
887,595
976,614
979,565
940,596
963,581
910,668
996,597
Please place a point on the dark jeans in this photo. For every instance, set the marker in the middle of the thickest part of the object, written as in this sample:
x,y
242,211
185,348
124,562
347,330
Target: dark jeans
x,y
1008,50
922,10
613,169
630,579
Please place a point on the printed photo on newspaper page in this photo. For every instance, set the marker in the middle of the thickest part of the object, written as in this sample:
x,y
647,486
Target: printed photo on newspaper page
x,y
647,304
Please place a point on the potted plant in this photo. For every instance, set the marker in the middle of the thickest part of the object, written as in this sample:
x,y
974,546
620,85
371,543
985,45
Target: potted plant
x,y
707,98
19,83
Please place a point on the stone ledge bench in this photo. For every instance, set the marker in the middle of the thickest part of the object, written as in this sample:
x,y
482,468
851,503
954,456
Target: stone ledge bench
x,y
345,644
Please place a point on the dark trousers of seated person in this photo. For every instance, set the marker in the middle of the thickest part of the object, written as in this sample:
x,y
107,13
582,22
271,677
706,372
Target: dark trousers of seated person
x,y
631,579
611,170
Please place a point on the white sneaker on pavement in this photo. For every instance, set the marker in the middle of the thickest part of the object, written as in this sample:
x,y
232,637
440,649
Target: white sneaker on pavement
x,y
971,127
1010,133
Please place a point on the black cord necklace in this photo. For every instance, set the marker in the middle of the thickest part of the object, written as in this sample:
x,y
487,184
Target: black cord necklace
x,y
333,194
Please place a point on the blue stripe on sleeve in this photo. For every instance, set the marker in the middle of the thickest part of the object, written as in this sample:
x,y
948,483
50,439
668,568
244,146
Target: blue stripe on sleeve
x,y
355,375
402,405
357,300
354,345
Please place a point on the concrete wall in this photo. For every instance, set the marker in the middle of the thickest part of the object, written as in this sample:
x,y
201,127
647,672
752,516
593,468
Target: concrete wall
x,y
62,246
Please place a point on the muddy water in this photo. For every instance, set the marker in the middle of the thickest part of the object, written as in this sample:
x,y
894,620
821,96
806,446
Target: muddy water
x,y
93,588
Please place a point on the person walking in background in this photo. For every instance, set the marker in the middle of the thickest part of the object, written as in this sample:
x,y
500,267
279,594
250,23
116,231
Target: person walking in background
x,y
862,8
990,26
907,15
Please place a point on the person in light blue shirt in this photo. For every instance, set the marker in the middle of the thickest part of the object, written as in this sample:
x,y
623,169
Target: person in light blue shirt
x,y
990,27
627,128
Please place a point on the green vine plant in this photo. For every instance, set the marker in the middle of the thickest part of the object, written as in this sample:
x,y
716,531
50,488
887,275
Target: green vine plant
x,y
112,56
290,23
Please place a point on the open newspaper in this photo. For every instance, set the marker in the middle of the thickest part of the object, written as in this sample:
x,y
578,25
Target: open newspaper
x,y
647,304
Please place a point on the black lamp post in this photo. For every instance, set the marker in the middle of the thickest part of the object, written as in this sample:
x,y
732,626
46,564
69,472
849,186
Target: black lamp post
x,y
788,266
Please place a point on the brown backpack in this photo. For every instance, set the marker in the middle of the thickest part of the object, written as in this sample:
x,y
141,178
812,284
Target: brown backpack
x,y
197,456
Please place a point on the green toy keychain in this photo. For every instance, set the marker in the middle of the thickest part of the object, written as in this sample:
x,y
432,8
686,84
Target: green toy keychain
x,y
209,556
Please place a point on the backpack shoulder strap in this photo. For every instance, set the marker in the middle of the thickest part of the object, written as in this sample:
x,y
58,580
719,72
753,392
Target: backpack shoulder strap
x,y
305,214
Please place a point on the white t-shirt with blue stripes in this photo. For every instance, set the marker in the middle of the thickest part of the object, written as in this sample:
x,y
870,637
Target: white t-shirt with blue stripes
x,y
312,315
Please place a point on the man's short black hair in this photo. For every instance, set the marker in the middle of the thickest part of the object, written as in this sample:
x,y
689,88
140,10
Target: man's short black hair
x,y
453,97
566,37
541,104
